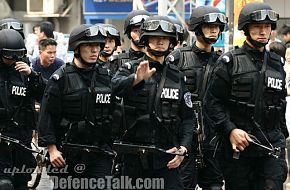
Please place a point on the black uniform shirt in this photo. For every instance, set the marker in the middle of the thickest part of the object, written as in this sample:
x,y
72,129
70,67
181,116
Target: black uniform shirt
x,y
122,87
218,94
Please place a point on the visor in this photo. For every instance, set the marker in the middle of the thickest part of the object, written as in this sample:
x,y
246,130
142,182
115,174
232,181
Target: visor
x,y
14,54
137,19
212,17
262,14
153,25
112,31
12,25
179,28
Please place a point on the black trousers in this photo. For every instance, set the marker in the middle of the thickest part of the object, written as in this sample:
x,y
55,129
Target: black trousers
x,y
82,165
16,164
188,171
256,173
211,174
134,168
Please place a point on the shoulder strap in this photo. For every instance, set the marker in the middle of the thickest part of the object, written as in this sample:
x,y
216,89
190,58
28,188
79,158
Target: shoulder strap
x,y
259,95
208,69
159,91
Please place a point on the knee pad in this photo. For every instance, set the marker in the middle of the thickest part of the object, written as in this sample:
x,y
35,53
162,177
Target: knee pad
x,y
6,184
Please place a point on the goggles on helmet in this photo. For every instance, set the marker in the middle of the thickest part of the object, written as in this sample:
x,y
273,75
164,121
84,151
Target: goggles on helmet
x,y
12,25
14,54
179,28
111,31
153,25
94,31
137,19
212,17
90,32
262,14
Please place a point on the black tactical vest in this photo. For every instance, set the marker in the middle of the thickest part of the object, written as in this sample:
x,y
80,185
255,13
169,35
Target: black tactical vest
x,y
245,85
88,105
196,72
155,105
16,104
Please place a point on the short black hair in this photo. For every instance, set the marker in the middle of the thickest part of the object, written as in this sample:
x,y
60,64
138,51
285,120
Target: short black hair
x,y
284,30
278,48
47,28
46,42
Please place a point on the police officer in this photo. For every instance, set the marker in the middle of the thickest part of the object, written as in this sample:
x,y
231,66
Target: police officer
x,y
197,62
12,23
112,40
132,30
182,33
157,107
19,86
246,103
75,118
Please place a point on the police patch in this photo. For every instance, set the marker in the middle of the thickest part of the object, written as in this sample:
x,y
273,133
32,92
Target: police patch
x,y
187,99
127,65
226,59
55,76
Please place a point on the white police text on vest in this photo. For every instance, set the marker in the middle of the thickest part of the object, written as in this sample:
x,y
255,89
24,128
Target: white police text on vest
x,y
274,83
170,93
18,90
103,98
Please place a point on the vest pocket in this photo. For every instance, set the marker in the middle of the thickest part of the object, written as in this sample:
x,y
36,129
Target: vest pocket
x,y
242,87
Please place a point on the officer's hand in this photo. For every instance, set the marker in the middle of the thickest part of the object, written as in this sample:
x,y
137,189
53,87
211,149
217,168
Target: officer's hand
x,y
176,161
239,139
23,68
55,157
143,72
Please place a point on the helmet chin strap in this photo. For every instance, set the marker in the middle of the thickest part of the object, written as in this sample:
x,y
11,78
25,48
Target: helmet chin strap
x,y
158,53
205,39
105,54
78,55
256,43
137,43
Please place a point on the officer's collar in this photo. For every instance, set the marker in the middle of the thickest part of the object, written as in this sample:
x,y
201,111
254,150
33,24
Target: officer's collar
x,y
256,53
196,49
83,69
154,64
135,54
100,62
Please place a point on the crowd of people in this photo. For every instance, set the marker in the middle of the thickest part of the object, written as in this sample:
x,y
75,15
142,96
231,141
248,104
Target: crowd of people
x,y
188,114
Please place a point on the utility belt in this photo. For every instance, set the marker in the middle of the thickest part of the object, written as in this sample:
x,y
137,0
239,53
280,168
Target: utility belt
x,y
271,114
81,132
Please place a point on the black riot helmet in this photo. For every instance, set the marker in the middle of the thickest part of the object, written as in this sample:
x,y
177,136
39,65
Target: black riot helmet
x,y
257,13
86,33
182,33
135,18
11,45
112,32
12,23
208,15
158,26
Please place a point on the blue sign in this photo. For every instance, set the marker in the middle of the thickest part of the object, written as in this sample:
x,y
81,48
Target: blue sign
x,y
106,9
